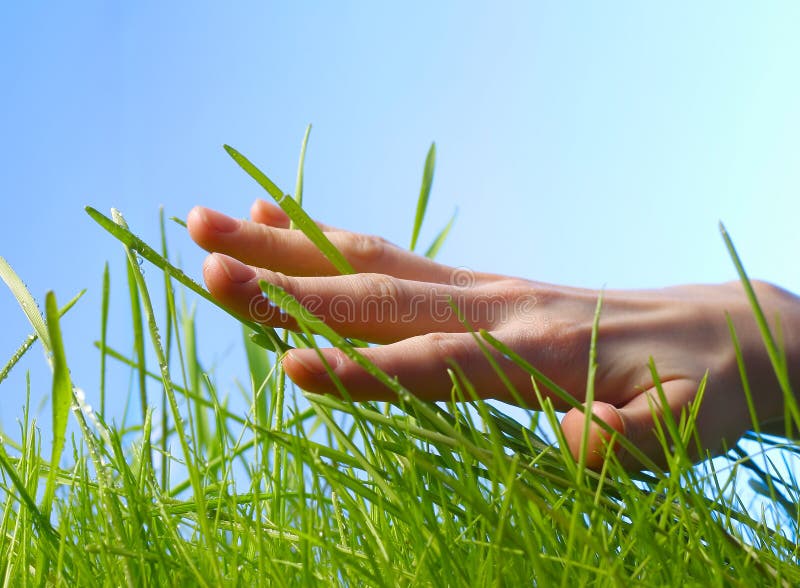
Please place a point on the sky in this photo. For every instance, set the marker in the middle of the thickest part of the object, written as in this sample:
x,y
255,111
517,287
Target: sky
x,y
588,144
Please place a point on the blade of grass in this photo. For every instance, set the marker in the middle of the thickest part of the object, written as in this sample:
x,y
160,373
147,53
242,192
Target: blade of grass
x,y
278,452
32,338
188,456
130,240
434,248
171,321
662,413
776,356
41,521
26,301
295,213
424,194
308,321
298,189
587,422
138,330
292,306
104,305
766,481
18,354
61,398
133,270
105,487
258,366
568,399
193,373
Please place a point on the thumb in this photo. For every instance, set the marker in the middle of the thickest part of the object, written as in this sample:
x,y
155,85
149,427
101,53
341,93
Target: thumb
x,y
572,425
635,420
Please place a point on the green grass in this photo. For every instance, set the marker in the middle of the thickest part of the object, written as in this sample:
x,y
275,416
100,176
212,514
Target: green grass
x,y
303,489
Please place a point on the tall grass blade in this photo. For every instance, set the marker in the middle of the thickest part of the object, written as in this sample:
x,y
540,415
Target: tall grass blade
x,y
188,455
26,301
193,374
171,322
301,166
424,194
565,397
61,397
168,294
32,338
434,248
292,306
138,329
104,307
748,394
130,240
18,354
39,519
776,356
259,367
295,213
589,399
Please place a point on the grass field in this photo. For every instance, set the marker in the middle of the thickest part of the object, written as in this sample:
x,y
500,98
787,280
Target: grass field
x,y
315,490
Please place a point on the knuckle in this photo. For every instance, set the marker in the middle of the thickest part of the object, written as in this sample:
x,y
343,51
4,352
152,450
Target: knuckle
x,y
265,236
507,299
283,282
510,289
367,249
444,345
382,286
767,290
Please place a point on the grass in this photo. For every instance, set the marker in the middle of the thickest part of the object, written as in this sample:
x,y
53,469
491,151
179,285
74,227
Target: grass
x,y
303,489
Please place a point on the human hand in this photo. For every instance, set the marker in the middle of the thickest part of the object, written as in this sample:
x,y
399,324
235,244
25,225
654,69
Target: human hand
x,y
402,300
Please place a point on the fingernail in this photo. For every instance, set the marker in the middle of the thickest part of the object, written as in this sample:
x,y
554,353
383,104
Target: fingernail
x,y
236,271
221,223
311,363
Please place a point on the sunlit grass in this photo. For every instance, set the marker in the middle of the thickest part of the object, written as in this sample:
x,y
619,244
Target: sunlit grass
x,y
302,489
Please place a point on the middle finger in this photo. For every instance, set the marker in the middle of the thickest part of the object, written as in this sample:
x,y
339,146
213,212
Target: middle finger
x,y
372,307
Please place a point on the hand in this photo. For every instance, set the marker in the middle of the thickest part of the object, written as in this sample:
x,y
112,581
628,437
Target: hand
x,y
401,300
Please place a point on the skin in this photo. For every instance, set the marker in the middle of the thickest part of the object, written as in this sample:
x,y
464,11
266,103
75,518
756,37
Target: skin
x,y
400,300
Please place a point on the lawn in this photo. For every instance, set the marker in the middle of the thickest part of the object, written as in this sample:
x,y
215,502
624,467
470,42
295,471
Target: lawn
x,y
302,489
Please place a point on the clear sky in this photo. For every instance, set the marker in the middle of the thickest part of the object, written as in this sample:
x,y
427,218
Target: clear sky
x,y
592,144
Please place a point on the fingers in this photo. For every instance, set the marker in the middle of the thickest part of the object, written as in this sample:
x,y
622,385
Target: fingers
x,y
419,364
272,215
634,420
265,244
373,307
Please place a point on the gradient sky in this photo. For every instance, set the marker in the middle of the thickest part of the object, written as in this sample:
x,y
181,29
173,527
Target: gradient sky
x,y
591,144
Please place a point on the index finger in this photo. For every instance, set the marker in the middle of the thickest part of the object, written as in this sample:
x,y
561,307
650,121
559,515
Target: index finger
x,y
292,253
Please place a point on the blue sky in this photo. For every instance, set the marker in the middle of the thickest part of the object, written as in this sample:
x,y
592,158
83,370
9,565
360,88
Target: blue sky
x,y
583,143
